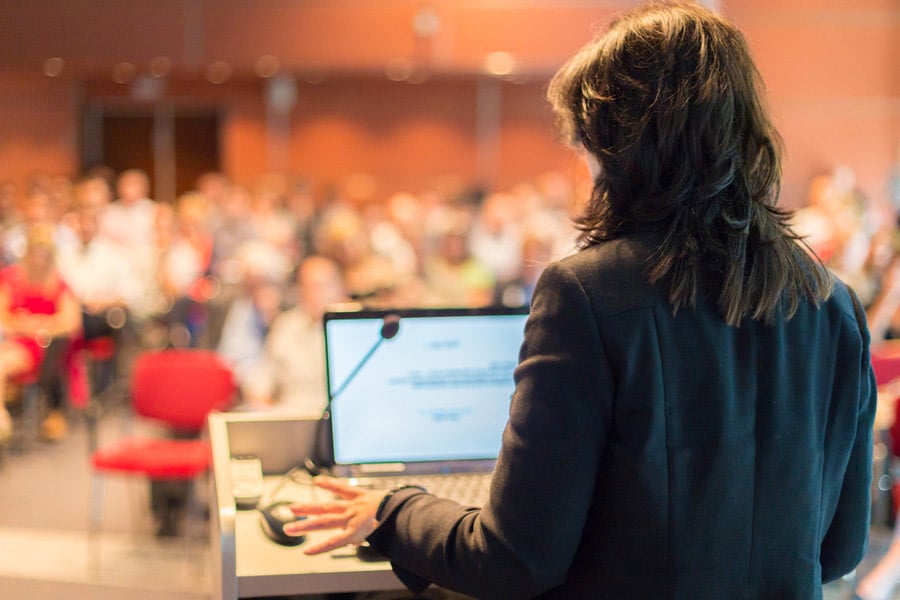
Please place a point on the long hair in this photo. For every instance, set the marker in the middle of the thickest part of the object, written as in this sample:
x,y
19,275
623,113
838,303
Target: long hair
x,y
670,104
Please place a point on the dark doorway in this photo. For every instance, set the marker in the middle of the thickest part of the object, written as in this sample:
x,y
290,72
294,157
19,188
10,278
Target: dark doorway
x,y
196,148
173,145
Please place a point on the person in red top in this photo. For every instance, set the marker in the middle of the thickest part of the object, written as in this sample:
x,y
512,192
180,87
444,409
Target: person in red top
x,y
36,306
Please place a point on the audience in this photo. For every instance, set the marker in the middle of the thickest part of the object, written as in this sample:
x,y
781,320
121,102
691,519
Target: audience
x,y
248,270
36,309
96,270
254,304
184,254
294,376
130,222
453,275
36,207
495,239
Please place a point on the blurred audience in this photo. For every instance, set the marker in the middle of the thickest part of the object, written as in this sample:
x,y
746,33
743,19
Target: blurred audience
x,y
36,207
37,309
262,274
453,275
184,255
495,239
130,222
294,376
247,269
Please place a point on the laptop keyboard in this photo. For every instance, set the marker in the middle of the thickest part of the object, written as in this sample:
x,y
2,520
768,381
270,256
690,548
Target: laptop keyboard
x,y
470,489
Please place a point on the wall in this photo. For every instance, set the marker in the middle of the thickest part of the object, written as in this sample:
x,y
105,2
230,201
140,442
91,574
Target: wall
x,y
831,68
38,127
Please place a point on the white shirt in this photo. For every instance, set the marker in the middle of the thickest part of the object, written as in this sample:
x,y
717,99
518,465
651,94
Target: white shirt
x,y
98,272
295,351
129,224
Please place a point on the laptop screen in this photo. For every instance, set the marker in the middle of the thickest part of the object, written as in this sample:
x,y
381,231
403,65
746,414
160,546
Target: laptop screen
x,y
421,385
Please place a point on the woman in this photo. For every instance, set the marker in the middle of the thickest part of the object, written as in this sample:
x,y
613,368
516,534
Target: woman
x,y
36,307
694,400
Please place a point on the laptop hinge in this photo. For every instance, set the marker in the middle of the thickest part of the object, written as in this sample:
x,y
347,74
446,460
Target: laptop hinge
x,y
368,469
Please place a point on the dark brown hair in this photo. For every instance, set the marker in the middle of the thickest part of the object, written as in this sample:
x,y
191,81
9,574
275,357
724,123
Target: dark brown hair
x,y
670,104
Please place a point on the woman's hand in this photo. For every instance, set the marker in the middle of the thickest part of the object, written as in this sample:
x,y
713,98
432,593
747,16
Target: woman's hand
x,y
353,513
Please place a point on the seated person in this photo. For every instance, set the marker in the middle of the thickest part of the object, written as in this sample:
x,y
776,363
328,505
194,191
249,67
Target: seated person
x,y
294,380
36,307
99,275
251,310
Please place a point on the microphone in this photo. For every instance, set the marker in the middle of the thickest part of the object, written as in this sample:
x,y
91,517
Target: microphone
x,y
389,329
314,466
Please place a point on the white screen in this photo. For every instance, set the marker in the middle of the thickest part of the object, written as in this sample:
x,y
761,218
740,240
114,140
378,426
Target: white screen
x,y
438,390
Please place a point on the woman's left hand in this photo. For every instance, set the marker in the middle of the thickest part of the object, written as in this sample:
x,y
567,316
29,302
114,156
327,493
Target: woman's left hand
x,y
353,513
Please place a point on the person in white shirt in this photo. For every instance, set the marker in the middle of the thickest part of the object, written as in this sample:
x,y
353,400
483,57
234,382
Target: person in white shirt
x,y
131,222
97,271
295,346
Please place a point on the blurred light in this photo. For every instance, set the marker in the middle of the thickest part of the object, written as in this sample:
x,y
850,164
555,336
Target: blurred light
x,y
160,66
267,66
123,72
499,63
148,88
281,93
426,22
218,72
53,67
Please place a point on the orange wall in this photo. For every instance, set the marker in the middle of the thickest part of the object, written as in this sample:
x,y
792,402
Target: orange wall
x,y
38,127
831,68
405,137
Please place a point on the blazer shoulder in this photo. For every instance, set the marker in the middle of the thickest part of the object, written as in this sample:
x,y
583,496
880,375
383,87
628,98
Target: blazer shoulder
x,y
612,273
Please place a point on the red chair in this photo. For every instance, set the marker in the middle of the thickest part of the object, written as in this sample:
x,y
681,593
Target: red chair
x,y
885,361
178,388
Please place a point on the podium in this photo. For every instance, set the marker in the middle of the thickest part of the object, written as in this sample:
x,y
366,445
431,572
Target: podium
x,y
246,563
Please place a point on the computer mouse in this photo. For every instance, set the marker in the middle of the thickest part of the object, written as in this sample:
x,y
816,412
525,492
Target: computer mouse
x,y
273,518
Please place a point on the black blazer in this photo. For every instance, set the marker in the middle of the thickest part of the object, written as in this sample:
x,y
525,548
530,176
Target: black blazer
x,y
658,455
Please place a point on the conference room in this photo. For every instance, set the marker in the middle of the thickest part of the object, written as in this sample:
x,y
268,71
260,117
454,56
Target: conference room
x,y
232,190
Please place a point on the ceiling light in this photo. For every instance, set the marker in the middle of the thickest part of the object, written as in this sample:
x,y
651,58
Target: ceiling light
x,y
267,66
160,66
218,72
426,22
53,67
499,63
123,72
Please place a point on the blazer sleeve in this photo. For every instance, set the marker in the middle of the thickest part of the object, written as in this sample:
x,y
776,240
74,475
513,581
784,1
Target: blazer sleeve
x,y
846,537
522,542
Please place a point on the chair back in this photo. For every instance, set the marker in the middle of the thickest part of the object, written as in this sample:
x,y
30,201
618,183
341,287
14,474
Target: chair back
x,y
180,387
885,361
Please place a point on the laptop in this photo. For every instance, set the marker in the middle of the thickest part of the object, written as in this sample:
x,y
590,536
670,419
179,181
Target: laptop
x,y
420,392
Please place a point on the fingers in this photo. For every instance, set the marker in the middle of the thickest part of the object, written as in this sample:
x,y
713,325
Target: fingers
x,y
338,487
338,521
348,535
317,508
353,515
332,543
